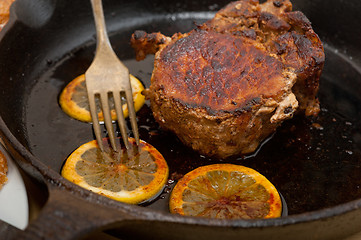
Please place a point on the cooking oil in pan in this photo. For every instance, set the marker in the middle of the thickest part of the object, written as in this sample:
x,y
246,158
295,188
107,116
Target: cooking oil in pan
x,y
314,162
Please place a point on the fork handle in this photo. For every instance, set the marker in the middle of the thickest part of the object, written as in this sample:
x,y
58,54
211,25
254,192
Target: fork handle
x,y
102,36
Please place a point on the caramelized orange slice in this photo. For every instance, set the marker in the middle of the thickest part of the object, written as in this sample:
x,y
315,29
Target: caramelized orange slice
x,y
225,191
74,100
132,176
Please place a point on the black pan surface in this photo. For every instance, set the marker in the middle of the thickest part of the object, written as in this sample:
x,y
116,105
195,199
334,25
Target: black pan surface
x,y
315,163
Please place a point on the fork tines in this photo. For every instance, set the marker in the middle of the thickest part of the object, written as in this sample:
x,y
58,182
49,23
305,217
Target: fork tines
x,y
107,74
104,102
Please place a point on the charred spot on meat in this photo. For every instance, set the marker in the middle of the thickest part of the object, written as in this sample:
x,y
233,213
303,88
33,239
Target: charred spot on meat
x,y
227,85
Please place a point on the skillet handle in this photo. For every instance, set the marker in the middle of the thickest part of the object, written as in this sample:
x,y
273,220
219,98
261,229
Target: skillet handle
x,y
66,217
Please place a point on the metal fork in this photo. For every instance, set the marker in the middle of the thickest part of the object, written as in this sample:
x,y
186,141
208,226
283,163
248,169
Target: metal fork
x,y
108,75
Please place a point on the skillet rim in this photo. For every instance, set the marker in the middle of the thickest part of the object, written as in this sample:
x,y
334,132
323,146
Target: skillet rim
x,y
51,177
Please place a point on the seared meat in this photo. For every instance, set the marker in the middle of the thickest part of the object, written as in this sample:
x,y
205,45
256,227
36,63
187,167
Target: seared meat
x,y
227,85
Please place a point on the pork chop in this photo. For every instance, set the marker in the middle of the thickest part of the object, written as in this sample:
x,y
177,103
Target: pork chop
x,y
227,85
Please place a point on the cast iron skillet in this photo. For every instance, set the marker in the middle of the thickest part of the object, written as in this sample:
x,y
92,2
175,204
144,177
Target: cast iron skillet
x,y
315,163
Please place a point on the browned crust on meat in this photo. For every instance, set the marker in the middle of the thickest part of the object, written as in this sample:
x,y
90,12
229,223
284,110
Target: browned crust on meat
x,y
271,26
227,85
218,77
3,169
225,135
145,43
286,33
